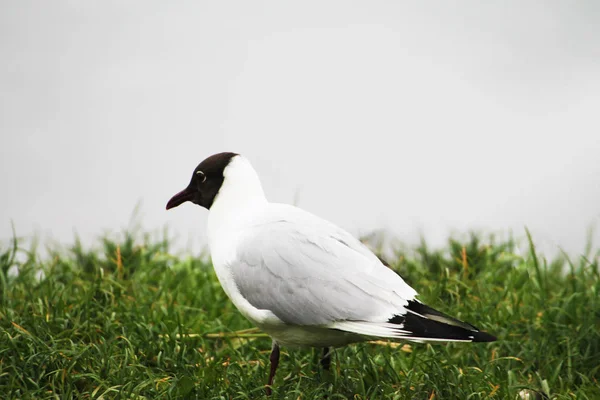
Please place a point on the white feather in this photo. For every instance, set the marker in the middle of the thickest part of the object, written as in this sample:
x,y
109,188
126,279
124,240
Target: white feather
x,y
298,277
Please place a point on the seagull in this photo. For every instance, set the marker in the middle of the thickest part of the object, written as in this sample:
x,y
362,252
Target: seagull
x,y
301,279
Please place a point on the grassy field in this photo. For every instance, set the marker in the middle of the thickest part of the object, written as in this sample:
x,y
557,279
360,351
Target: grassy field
x,y
129,320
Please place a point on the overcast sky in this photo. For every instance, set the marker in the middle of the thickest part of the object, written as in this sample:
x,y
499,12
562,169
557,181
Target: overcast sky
x,y
413,117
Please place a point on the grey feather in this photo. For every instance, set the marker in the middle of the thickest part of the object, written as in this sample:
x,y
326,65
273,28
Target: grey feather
x,y
309,272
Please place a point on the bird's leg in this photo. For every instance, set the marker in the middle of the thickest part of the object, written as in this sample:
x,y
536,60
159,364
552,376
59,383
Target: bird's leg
x,y
274,358
326,360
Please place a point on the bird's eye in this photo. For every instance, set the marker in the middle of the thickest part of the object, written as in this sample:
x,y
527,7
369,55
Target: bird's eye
x,y
201,175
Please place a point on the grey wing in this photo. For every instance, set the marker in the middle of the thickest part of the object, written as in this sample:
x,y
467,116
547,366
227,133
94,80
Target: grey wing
x,y
316,275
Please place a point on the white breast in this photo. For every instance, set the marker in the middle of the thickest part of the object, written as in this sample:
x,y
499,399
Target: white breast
x,y
239,201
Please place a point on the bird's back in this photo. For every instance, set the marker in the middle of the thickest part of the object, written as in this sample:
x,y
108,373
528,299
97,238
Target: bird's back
x,y
308,271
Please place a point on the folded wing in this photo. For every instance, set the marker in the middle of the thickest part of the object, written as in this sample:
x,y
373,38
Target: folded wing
x,y
310,272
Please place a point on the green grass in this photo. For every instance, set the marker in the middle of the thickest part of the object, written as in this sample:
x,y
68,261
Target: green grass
x,y
132,321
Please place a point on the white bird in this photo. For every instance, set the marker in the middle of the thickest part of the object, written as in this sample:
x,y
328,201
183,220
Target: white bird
x,y
301,279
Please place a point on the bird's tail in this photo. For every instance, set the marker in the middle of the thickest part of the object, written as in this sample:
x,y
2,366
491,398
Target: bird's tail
x,y
418,323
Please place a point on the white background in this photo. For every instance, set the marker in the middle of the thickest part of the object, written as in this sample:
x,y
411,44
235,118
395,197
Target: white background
x,y
413,117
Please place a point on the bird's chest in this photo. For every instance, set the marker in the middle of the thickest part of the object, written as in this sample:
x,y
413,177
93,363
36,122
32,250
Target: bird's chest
x,y
224,254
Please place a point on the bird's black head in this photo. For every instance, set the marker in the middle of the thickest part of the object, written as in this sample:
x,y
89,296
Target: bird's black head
x,y
206,182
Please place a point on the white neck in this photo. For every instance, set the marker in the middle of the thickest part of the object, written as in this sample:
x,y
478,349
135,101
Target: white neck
x,y
240,195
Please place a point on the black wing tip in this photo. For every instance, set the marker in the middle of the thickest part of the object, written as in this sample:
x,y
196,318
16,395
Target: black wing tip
x,y
426,322
480,336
